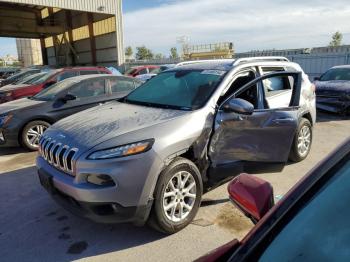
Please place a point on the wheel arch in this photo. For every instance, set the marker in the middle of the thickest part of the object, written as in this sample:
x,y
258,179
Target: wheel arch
x,y
38,118
308,116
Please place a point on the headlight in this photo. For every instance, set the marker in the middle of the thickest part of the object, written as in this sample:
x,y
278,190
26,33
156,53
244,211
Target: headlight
x,y
121,151
5,119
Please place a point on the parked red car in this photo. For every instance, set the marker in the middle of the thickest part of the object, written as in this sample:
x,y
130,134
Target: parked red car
x,y
141,70
13,92
310,223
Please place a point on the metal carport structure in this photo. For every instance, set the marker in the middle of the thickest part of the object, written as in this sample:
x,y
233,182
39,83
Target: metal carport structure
x,y
72,32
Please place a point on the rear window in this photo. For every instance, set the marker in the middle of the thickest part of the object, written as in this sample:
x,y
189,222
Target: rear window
x,y
122,85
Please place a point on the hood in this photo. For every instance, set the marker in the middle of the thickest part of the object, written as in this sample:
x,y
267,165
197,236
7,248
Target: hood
x,y
19,104
12,87
334,86
93,126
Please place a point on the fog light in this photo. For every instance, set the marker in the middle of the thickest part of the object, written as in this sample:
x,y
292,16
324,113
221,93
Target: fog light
x,y
2,138
100,180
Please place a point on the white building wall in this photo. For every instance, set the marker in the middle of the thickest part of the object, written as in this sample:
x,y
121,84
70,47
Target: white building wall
x,y
29,52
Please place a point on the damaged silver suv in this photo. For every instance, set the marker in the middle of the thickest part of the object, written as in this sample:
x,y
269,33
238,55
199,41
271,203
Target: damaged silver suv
x,y
150,156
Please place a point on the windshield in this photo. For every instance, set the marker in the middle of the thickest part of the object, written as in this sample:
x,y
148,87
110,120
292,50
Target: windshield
x,y
336,74
185,89
49,94
32,78
18,76
44,78
323,232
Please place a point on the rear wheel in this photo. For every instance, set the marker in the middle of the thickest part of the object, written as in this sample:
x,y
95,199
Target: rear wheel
x,y
177,197
302,141
32,133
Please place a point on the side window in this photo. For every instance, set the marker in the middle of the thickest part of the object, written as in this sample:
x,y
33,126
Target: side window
x,y
241,79
88,72
277,90
65,75
143,71
121,85
275,85
91,88
154,70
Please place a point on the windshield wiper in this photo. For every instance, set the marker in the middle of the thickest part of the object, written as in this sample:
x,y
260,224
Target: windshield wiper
x,y
149,104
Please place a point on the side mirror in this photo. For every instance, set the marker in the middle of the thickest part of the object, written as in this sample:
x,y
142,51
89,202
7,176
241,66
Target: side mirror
x,y
317,78
238,105
67,97
49,84
252,195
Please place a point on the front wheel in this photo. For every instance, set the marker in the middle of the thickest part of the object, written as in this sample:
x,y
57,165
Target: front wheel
x,y
177,196
31,134
302,141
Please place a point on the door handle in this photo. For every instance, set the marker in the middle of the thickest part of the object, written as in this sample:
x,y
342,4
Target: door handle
x,y
283,120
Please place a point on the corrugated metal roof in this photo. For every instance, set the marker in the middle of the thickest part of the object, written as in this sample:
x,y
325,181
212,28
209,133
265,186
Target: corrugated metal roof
x,y
96,6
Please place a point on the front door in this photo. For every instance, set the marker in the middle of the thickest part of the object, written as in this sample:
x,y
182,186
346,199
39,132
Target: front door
x,y
264,136
88,94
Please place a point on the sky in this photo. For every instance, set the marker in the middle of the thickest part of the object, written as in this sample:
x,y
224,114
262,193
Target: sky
x,y
250,25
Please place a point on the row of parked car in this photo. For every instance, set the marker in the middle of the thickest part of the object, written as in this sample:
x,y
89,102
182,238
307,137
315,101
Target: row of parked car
x,y
144,152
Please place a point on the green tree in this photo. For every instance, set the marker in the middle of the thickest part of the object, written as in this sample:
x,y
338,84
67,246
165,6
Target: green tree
x,y
173,53
337,39
159,56
129,52
143,53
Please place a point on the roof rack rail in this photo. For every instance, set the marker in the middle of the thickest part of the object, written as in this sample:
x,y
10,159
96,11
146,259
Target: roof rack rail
x,y
260,58
204,61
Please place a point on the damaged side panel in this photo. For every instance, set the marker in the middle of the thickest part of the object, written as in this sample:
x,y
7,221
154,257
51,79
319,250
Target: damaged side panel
x,y
264,136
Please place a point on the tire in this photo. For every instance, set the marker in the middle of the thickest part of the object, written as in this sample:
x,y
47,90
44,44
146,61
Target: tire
x,y
171,221
301,149
31,134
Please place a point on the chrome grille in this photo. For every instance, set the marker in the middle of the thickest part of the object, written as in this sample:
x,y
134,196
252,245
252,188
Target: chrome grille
x,y
57,154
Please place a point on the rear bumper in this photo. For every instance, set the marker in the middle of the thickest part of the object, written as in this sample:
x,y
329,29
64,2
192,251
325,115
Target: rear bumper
x,y
333,104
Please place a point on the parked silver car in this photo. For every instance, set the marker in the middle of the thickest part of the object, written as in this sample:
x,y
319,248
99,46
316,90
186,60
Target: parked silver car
x,y
151,156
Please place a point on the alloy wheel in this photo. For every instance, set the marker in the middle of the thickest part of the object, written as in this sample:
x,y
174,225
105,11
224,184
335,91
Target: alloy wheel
x,y
304,140
179,196
34,134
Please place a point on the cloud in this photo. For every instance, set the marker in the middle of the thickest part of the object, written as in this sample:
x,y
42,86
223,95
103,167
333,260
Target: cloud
x,y
248,24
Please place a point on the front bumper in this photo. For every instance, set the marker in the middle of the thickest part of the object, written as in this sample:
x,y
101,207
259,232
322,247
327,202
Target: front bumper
x,y
129,200
4,99
8,138
333,104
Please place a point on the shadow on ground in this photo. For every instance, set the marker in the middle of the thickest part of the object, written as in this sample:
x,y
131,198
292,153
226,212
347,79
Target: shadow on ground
x,y
11,151
323,116
33,227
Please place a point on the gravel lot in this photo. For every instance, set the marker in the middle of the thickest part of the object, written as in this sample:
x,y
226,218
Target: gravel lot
x,y
34,228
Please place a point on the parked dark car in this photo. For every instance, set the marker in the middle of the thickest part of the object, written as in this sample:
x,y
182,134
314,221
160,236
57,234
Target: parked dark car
x,y
333,90
18,76
7,72
310,223
10,93
23,121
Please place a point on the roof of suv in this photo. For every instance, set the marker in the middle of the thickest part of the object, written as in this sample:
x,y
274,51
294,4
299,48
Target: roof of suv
x,y
225,64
